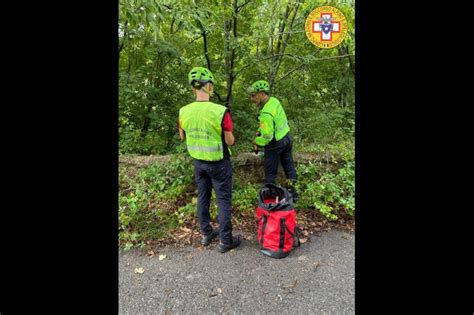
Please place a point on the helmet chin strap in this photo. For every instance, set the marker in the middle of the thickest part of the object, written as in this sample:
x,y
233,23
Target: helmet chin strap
x,y
207,91
263,101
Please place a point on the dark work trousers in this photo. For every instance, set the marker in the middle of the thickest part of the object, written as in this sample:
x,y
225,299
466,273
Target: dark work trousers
x,y
276,152
217,175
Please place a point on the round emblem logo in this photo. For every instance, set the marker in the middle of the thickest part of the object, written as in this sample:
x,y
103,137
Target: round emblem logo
x,y
326,27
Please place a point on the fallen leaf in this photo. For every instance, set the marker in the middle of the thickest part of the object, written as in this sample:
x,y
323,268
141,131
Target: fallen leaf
x,y
305,233
185,229
139,270
316,265
150,253
303,240
161,257
291,286
219,290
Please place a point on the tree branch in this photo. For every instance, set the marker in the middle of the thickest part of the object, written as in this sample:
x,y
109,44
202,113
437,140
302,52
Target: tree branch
x,y
266,58
345,49
172,24
334,57
230,60
293,70
282,28
242,5
124,36
219,97
204,37
274,70
319,59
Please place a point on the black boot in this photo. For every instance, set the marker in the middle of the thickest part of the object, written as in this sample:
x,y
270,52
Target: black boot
x,y
206,239
226,247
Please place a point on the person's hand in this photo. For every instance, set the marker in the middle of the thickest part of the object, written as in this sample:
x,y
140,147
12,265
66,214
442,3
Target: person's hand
x,y
255,148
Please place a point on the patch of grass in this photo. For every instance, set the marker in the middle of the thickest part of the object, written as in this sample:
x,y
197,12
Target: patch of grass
x,y
327,191
148,206
244,197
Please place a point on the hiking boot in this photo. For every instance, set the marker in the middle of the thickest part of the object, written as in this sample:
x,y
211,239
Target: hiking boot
x,y
206,240
226,247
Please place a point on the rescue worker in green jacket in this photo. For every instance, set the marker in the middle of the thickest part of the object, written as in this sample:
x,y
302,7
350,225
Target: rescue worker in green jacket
x,y
207,129
273,134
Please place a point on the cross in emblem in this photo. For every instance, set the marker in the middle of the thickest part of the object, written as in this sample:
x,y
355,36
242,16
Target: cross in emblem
x,y
325,26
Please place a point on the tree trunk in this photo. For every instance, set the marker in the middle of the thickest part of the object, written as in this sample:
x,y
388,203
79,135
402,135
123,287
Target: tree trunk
x,y
282,42
206,54
230,28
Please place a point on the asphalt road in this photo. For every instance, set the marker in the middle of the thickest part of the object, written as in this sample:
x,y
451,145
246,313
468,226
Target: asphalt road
x,y
318,278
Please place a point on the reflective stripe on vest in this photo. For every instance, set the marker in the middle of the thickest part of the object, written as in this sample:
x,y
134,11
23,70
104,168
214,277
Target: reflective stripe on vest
x,y
203,149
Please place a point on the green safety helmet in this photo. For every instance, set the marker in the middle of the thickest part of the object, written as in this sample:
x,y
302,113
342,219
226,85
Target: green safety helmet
x,y
200,75
259,86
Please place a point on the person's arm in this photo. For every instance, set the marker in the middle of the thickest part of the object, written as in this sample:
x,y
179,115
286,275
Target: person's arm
x,y
265,130
182,135
228,128
229,138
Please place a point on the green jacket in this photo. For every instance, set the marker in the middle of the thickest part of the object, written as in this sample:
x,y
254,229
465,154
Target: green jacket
x,y
273,122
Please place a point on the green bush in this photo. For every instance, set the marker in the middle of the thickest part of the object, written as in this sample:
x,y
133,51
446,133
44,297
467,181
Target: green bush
x,y
161,196
147,201
327,191
244,197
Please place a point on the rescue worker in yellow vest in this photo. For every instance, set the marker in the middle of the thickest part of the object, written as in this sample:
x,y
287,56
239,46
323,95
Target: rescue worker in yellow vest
x,y
207,129
273,134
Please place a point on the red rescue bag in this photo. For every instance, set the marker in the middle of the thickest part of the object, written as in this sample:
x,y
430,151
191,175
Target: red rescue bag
x,y
276,221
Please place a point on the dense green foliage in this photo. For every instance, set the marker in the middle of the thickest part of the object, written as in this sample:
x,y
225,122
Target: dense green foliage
x,y
240,41
162,196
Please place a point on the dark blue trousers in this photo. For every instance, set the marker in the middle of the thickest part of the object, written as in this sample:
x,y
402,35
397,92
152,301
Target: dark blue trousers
x,y
276,152
217,175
